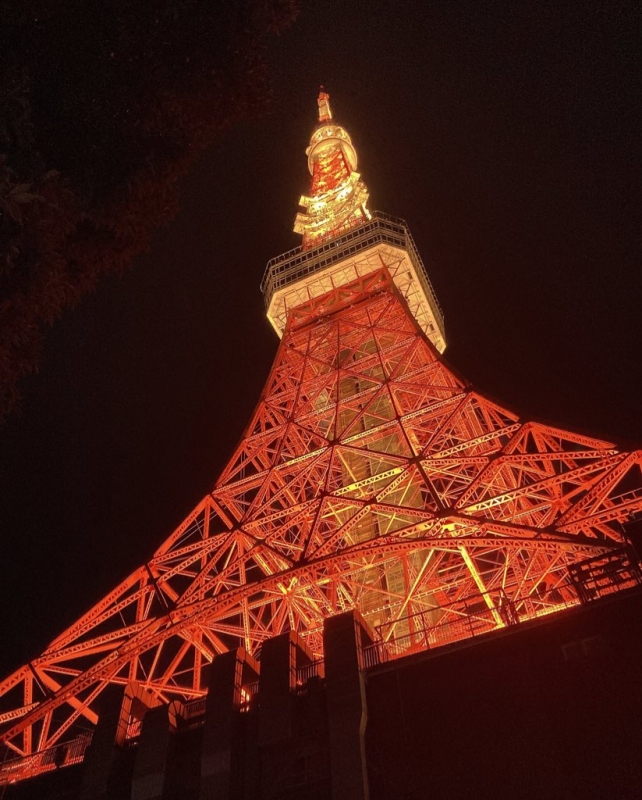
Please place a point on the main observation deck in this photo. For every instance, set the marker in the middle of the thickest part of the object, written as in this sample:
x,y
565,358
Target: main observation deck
x,y
300,275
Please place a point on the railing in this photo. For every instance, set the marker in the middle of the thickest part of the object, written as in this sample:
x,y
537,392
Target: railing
x,y
466,618
315,669
373,654
64,754
382,228
487,612
605,574
249,693
454,627
194,709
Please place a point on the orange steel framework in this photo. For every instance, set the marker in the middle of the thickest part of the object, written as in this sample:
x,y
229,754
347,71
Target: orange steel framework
x,y
369,477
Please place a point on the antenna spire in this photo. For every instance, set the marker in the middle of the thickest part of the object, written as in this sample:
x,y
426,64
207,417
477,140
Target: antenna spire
x,y
338,197
323,101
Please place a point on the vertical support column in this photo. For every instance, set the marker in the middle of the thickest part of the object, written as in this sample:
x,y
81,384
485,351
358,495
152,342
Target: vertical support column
x,y
344,636
221,756
281,656
107,763
152,767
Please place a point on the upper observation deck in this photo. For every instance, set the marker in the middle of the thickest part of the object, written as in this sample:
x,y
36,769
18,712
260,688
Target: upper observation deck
x,y
302,274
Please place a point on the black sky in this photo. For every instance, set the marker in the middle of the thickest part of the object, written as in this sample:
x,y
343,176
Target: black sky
x,y
505,133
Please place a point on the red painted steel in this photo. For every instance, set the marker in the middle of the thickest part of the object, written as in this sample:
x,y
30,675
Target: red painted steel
x,y
369,477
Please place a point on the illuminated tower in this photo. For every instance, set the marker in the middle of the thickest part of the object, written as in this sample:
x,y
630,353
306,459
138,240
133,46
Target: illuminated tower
x,y
370,477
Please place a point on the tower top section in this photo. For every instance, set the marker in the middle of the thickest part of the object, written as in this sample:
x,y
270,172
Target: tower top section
x,y
323,101
343,241
338,197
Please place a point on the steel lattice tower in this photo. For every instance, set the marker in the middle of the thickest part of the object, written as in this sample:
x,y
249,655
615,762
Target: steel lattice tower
x,y
369,477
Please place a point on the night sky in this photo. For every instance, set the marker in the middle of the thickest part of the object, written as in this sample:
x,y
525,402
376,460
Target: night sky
x,y
506,134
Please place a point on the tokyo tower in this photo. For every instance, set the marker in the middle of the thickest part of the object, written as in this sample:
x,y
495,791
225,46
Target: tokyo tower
x,y
370,477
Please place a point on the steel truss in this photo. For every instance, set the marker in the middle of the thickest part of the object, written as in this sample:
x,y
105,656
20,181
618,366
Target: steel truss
x,y
369,477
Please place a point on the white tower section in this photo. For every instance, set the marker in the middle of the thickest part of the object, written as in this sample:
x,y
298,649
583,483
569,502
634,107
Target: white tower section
x,y
300,275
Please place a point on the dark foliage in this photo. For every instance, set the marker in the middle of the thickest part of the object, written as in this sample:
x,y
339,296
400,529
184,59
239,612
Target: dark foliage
x,y
104,104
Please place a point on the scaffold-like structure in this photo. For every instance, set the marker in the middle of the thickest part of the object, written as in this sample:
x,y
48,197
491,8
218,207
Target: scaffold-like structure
x,y
370,476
